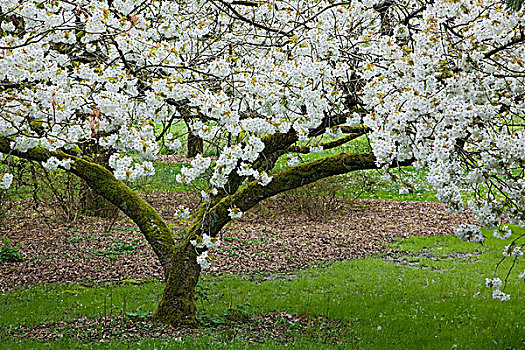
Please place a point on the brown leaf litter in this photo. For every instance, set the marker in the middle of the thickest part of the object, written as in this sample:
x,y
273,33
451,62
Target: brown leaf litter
x,y
275,236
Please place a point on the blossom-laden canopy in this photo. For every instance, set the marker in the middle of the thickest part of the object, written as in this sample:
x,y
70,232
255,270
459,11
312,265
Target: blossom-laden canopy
x,y
439,83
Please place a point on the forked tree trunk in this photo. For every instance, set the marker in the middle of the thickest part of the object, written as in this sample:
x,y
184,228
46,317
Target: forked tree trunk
x,y
177,306
181,269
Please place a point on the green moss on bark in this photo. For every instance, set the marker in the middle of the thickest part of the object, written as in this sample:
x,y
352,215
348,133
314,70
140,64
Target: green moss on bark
x,y
177,305
102,181
326,145
298,176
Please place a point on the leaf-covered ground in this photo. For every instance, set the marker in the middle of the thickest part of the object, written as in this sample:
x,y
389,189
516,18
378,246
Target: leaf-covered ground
x,y
249,328
282,234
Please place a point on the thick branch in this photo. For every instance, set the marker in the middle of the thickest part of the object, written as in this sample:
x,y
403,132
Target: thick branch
x,y
325,145
105,184
289,179
354,129
277,144
514,41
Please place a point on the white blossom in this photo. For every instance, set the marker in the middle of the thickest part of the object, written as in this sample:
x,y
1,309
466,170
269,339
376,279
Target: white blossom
x,y
52,163
234,213
316,149
182,212
469,233
502,233
203,260
172,143
293,161
404,190
265,179
7,180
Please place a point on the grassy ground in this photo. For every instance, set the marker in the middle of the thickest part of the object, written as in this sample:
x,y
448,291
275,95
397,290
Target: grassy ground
x,y
430,295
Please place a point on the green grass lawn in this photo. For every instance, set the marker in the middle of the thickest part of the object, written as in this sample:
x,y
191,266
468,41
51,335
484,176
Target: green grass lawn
x,y
431,296
164,180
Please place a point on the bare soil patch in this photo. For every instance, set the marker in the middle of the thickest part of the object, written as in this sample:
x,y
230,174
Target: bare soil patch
x,y
275,236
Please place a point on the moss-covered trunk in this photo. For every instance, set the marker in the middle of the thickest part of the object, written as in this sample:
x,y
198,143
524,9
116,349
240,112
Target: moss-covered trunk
x,y
177,305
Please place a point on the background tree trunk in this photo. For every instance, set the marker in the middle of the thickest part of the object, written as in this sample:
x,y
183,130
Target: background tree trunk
x,y
177,305
195,145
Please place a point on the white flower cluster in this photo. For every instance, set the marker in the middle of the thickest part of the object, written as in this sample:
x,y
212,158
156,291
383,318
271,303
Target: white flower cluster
x,y
127,169
246,170
237,154
182,212
522,275
172,142
53,163
404,190
7,180
264,179
206,243
355,120
234,213
206,194
495,284
316,149
334,134
503,232
511,250
199,165
293,161
469,233
203,260
23,144
258,126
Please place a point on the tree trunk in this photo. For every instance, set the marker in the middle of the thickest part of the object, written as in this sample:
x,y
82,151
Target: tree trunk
x,y
177,306
195,145
92,203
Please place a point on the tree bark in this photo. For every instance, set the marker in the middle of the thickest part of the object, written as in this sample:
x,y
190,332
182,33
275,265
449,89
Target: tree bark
x,y
195,145
177,306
